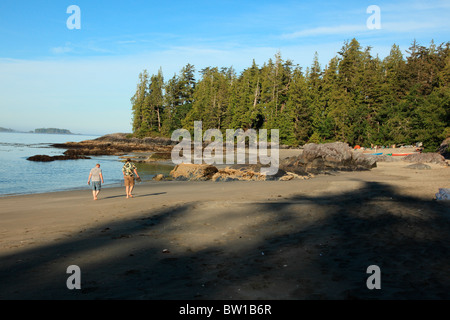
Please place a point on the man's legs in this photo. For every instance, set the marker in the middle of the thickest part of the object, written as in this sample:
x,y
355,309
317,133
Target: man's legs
x,y
131,190
95,190
129,185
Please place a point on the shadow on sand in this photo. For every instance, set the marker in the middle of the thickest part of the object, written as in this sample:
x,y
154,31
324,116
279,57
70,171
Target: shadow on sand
x,y
135,196
301,247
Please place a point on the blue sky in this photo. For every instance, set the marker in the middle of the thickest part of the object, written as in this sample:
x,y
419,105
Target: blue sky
x,y
83,79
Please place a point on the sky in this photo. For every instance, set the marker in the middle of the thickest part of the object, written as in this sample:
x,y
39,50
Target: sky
x,y
77,69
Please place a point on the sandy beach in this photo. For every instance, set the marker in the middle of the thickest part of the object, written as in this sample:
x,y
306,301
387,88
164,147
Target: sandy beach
x,y
274,240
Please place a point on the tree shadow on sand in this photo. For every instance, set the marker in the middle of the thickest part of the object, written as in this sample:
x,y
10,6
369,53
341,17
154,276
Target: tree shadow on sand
x,y
302,247
136,196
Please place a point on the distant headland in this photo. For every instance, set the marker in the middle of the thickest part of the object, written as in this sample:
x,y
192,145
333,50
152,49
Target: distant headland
x,y
6,130
40,130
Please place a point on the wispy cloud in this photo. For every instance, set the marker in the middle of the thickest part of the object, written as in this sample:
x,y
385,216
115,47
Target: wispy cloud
x,y
321,31
61,50
126,42
409,26
416,6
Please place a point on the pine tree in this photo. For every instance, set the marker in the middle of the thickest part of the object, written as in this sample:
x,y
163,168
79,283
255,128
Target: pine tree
x,y
155,102
138,102
178,99
298,104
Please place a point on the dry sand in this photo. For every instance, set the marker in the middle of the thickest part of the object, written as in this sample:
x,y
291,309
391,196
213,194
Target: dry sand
x,y
277,240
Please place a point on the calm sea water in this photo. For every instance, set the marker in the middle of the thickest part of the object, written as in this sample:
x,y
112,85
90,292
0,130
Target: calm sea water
x,y
20,176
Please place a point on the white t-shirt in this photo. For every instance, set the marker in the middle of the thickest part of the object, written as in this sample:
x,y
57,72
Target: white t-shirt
x,y
95,172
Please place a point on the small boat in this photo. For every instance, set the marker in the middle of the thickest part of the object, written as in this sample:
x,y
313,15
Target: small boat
x,y
400,154
376,154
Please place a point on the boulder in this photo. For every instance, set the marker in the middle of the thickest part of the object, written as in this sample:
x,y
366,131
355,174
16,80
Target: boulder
x,y
322,158
419,166
429,157
158,177
335,153
295,165
361,161
193,172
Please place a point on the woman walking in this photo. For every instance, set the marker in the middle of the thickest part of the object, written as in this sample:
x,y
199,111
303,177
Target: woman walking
x,y
129,170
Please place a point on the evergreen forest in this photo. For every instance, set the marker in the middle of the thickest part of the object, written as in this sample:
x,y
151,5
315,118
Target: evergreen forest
x,y
356,98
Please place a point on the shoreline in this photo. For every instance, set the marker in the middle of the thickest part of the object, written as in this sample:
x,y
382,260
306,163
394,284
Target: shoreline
x,y
283,154
88,188
399,164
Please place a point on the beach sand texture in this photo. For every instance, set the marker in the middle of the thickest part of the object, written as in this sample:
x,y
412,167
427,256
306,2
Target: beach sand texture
x,y
298,239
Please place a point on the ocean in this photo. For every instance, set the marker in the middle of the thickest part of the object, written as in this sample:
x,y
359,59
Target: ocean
x,y
20,176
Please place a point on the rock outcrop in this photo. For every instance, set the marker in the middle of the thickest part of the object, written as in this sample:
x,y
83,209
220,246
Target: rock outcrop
x,y
45,158
430,157
255,169
315,159
116,144
322,158
193,172
112,144
229,174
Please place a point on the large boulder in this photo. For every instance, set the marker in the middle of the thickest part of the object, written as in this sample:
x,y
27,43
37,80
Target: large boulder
x,y
429,157
361,161
321,158
336,153
193,172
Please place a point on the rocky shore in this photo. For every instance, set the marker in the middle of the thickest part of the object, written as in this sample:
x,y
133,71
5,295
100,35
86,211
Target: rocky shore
x,y
117,144
315,159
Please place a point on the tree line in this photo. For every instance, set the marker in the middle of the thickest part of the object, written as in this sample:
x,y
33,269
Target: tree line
x,y
356,98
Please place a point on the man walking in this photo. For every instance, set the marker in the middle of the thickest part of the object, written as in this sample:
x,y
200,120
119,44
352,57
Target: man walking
x,y
96,177
129,170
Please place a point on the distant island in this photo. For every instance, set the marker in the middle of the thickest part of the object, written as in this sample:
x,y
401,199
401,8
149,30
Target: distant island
x,y
40,130
6,130
52,130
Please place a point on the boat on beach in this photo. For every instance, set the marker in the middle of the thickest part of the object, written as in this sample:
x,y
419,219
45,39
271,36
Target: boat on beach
x,y
399,154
